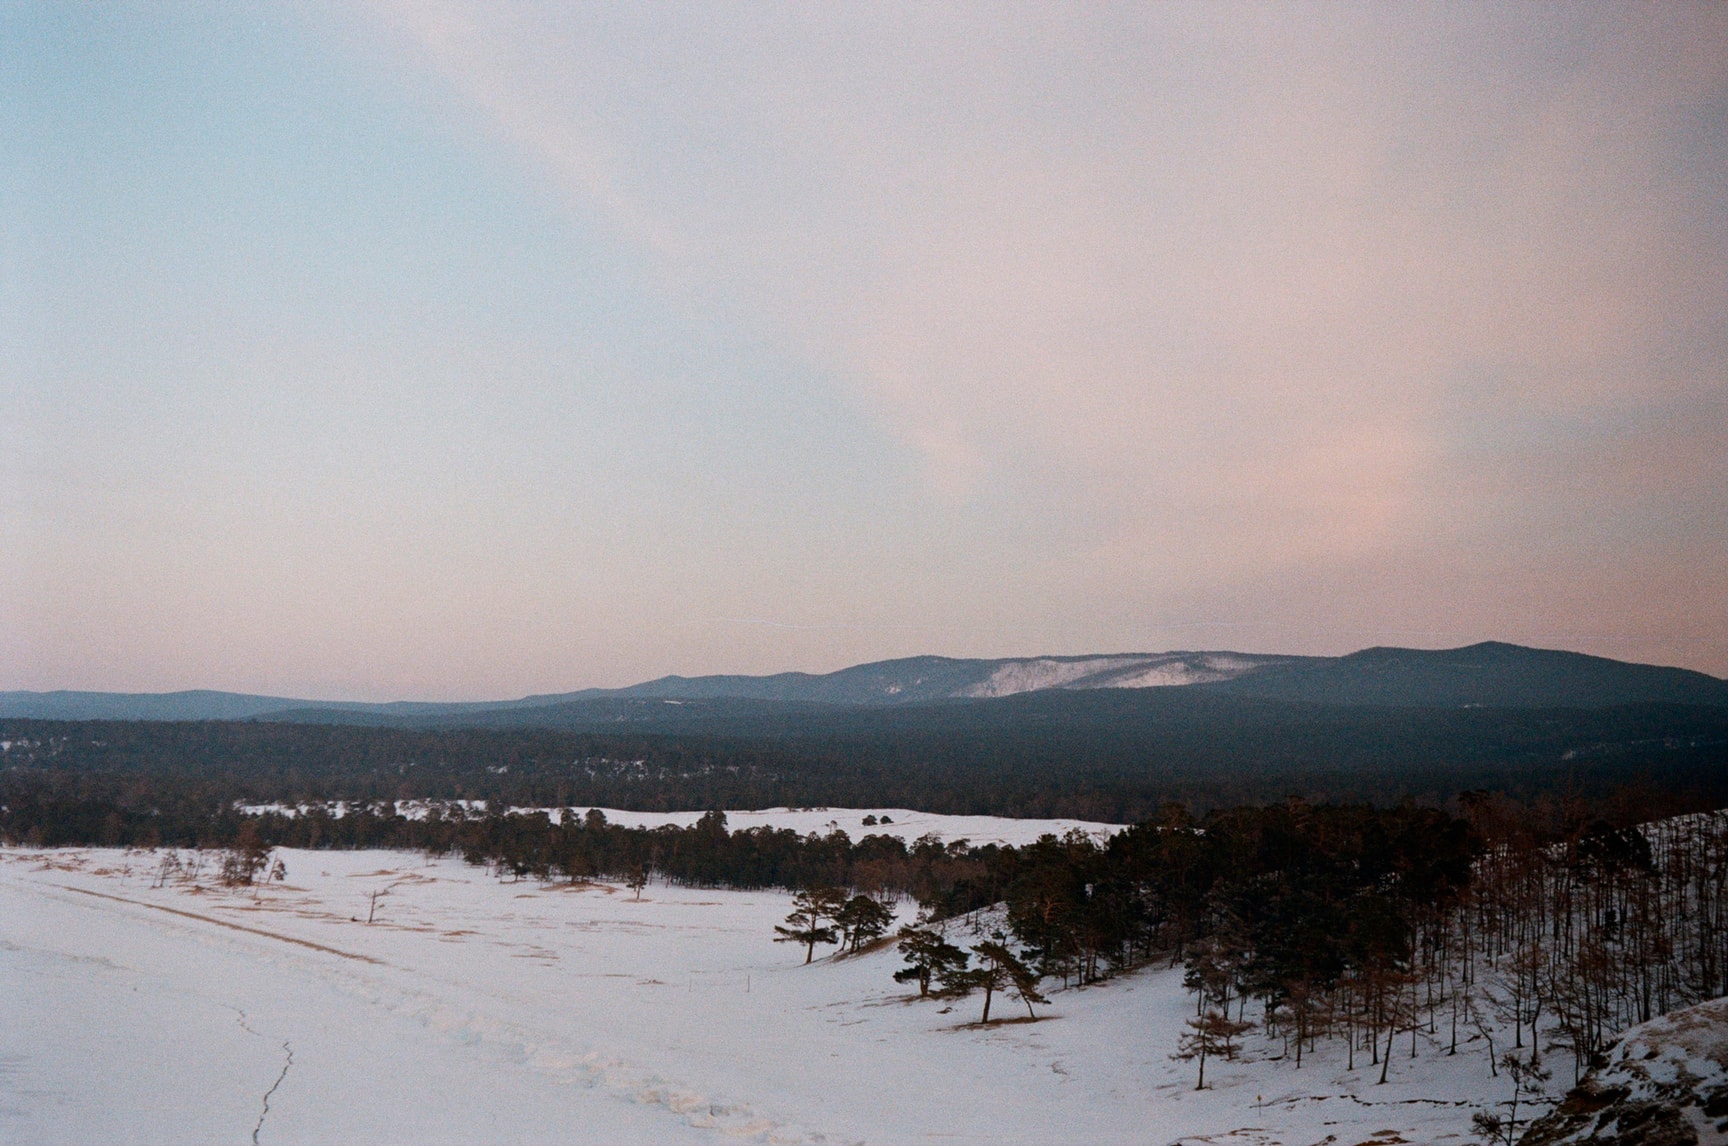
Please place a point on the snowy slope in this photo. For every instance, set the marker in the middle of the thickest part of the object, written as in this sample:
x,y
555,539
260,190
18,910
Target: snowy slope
x,y
478,1010
1048,672
1153,670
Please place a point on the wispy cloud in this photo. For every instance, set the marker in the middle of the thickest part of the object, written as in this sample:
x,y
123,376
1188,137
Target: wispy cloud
x,y
490,347
1248,290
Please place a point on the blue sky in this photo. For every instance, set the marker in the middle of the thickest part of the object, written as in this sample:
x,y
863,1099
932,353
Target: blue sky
x,y
463,350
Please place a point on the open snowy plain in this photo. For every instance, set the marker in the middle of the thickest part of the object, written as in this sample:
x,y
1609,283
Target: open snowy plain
x,y
480,1010
902,823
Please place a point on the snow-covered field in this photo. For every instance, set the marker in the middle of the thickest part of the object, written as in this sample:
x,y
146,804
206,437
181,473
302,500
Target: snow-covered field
x,y
474,1010
906,824
902,822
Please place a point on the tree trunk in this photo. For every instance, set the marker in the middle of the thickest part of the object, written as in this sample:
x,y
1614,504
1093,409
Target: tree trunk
x,y
1391,1033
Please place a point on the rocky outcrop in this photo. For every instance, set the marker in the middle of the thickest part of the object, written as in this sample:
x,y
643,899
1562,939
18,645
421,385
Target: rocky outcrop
x,y
1665,1084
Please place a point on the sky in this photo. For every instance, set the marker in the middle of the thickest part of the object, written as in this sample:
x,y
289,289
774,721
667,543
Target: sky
x,y
461,350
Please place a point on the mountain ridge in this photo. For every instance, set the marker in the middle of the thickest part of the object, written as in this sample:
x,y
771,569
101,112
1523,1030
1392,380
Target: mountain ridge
x,y
1486,674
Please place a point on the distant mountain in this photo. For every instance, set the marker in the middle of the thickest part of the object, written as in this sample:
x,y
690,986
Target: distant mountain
x,y
1491,674
913,680
199,704
204,704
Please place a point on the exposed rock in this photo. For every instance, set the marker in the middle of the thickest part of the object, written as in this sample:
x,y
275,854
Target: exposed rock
x,y
1665,1084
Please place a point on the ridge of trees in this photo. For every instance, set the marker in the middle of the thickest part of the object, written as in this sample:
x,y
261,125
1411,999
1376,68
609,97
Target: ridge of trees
x,y
1120,767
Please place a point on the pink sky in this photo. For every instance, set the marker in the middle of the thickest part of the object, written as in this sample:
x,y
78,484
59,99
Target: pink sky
x,y
465,349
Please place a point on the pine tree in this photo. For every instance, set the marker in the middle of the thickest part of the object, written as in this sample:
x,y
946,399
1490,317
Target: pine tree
x,y
928,956
242,862
1004,971
999,969
862,920
810,909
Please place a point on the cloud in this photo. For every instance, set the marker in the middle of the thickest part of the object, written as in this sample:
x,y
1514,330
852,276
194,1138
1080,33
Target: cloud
x,y
1223,295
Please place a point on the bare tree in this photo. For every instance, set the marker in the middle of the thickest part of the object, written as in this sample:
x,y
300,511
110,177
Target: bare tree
x,y
1211,1034
372,904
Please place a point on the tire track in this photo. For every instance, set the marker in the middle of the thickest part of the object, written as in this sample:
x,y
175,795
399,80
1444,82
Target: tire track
x,y
458,1018
230,925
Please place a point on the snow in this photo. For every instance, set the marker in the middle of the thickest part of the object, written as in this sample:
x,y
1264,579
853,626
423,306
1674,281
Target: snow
x,y
907,824
1159,670
481,1010
336,809
1032,675
1656,1085
1176,672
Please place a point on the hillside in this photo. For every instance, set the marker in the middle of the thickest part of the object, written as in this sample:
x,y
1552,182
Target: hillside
x,y
1491,674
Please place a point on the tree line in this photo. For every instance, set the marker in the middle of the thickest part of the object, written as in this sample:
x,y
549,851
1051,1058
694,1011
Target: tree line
x,y
1114,756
